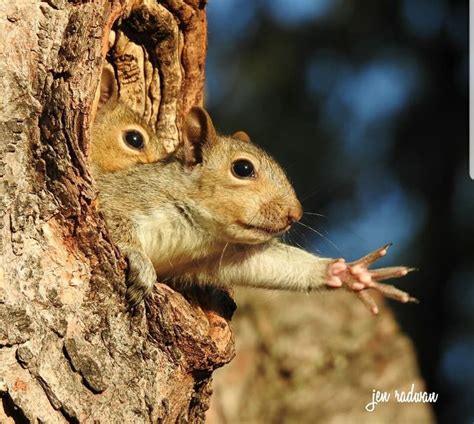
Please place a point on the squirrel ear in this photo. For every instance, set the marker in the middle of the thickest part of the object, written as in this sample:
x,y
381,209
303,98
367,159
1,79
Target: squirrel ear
x,y
242,136
108,87
198,130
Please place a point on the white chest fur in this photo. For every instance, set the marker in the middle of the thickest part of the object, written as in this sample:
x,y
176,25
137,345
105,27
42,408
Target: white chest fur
x,y
170,240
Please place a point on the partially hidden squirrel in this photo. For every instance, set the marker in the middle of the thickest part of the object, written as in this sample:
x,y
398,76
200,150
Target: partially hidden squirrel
x,y
120,137
212,215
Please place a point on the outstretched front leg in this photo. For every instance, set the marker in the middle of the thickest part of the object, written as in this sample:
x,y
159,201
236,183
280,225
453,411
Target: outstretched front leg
x,y
276,265
357,277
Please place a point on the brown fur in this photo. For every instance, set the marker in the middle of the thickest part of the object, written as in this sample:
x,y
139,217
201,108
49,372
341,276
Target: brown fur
x,y
109,152
192,219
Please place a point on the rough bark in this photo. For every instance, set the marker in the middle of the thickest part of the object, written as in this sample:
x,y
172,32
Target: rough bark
x,y
315,359
69,350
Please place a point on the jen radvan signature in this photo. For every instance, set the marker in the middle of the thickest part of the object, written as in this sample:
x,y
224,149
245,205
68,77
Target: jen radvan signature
x,y
410,396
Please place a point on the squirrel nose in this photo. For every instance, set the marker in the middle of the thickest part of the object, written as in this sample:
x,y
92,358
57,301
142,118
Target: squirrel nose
x,y
295,213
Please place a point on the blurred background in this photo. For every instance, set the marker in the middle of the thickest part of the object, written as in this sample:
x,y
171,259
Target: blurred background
x,y
365,104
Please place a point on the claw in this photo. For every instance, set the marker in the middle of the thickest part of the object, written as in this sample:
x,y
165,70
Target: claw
x,y
393,293
356,277
372,256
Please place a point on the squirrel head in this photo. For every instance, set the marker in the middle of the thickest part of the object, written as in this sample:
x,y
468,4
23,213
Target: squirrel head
x,y
245,194
120,137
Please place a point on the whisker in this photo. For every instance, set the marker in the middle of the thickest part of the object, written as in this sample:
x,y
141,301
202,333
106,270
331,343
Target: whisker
x,y
315,214
344,227
293,241
321,235
222,256
301,235
311,193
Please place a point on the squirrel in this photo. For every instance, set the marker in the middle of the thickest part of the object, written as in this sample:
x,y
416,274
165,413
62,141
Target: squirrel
x,y
115,147
212,214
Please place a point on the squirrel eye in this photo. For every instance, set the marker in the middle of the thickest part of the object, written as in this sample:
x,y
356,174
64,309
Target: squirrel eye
x,y
243,168
134,139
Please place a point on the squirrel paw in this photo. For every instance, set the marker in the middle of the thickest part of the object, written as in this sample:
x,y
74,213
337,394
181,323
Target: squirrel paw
x,y
356,277
140,279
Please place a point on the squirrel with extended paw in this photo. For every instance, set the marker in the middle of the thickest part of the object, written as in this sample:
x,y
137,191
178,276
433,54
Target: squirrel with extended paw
x,y
212,215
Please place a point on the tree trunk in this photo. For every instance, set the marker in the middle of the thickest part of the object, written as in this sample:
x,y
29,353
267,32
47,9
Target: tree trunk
x,y
69,350
315,359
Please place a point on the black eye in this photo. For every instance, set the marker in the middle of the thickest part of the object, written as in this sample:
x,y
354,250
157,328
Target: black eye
x,y
243,168
134,139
